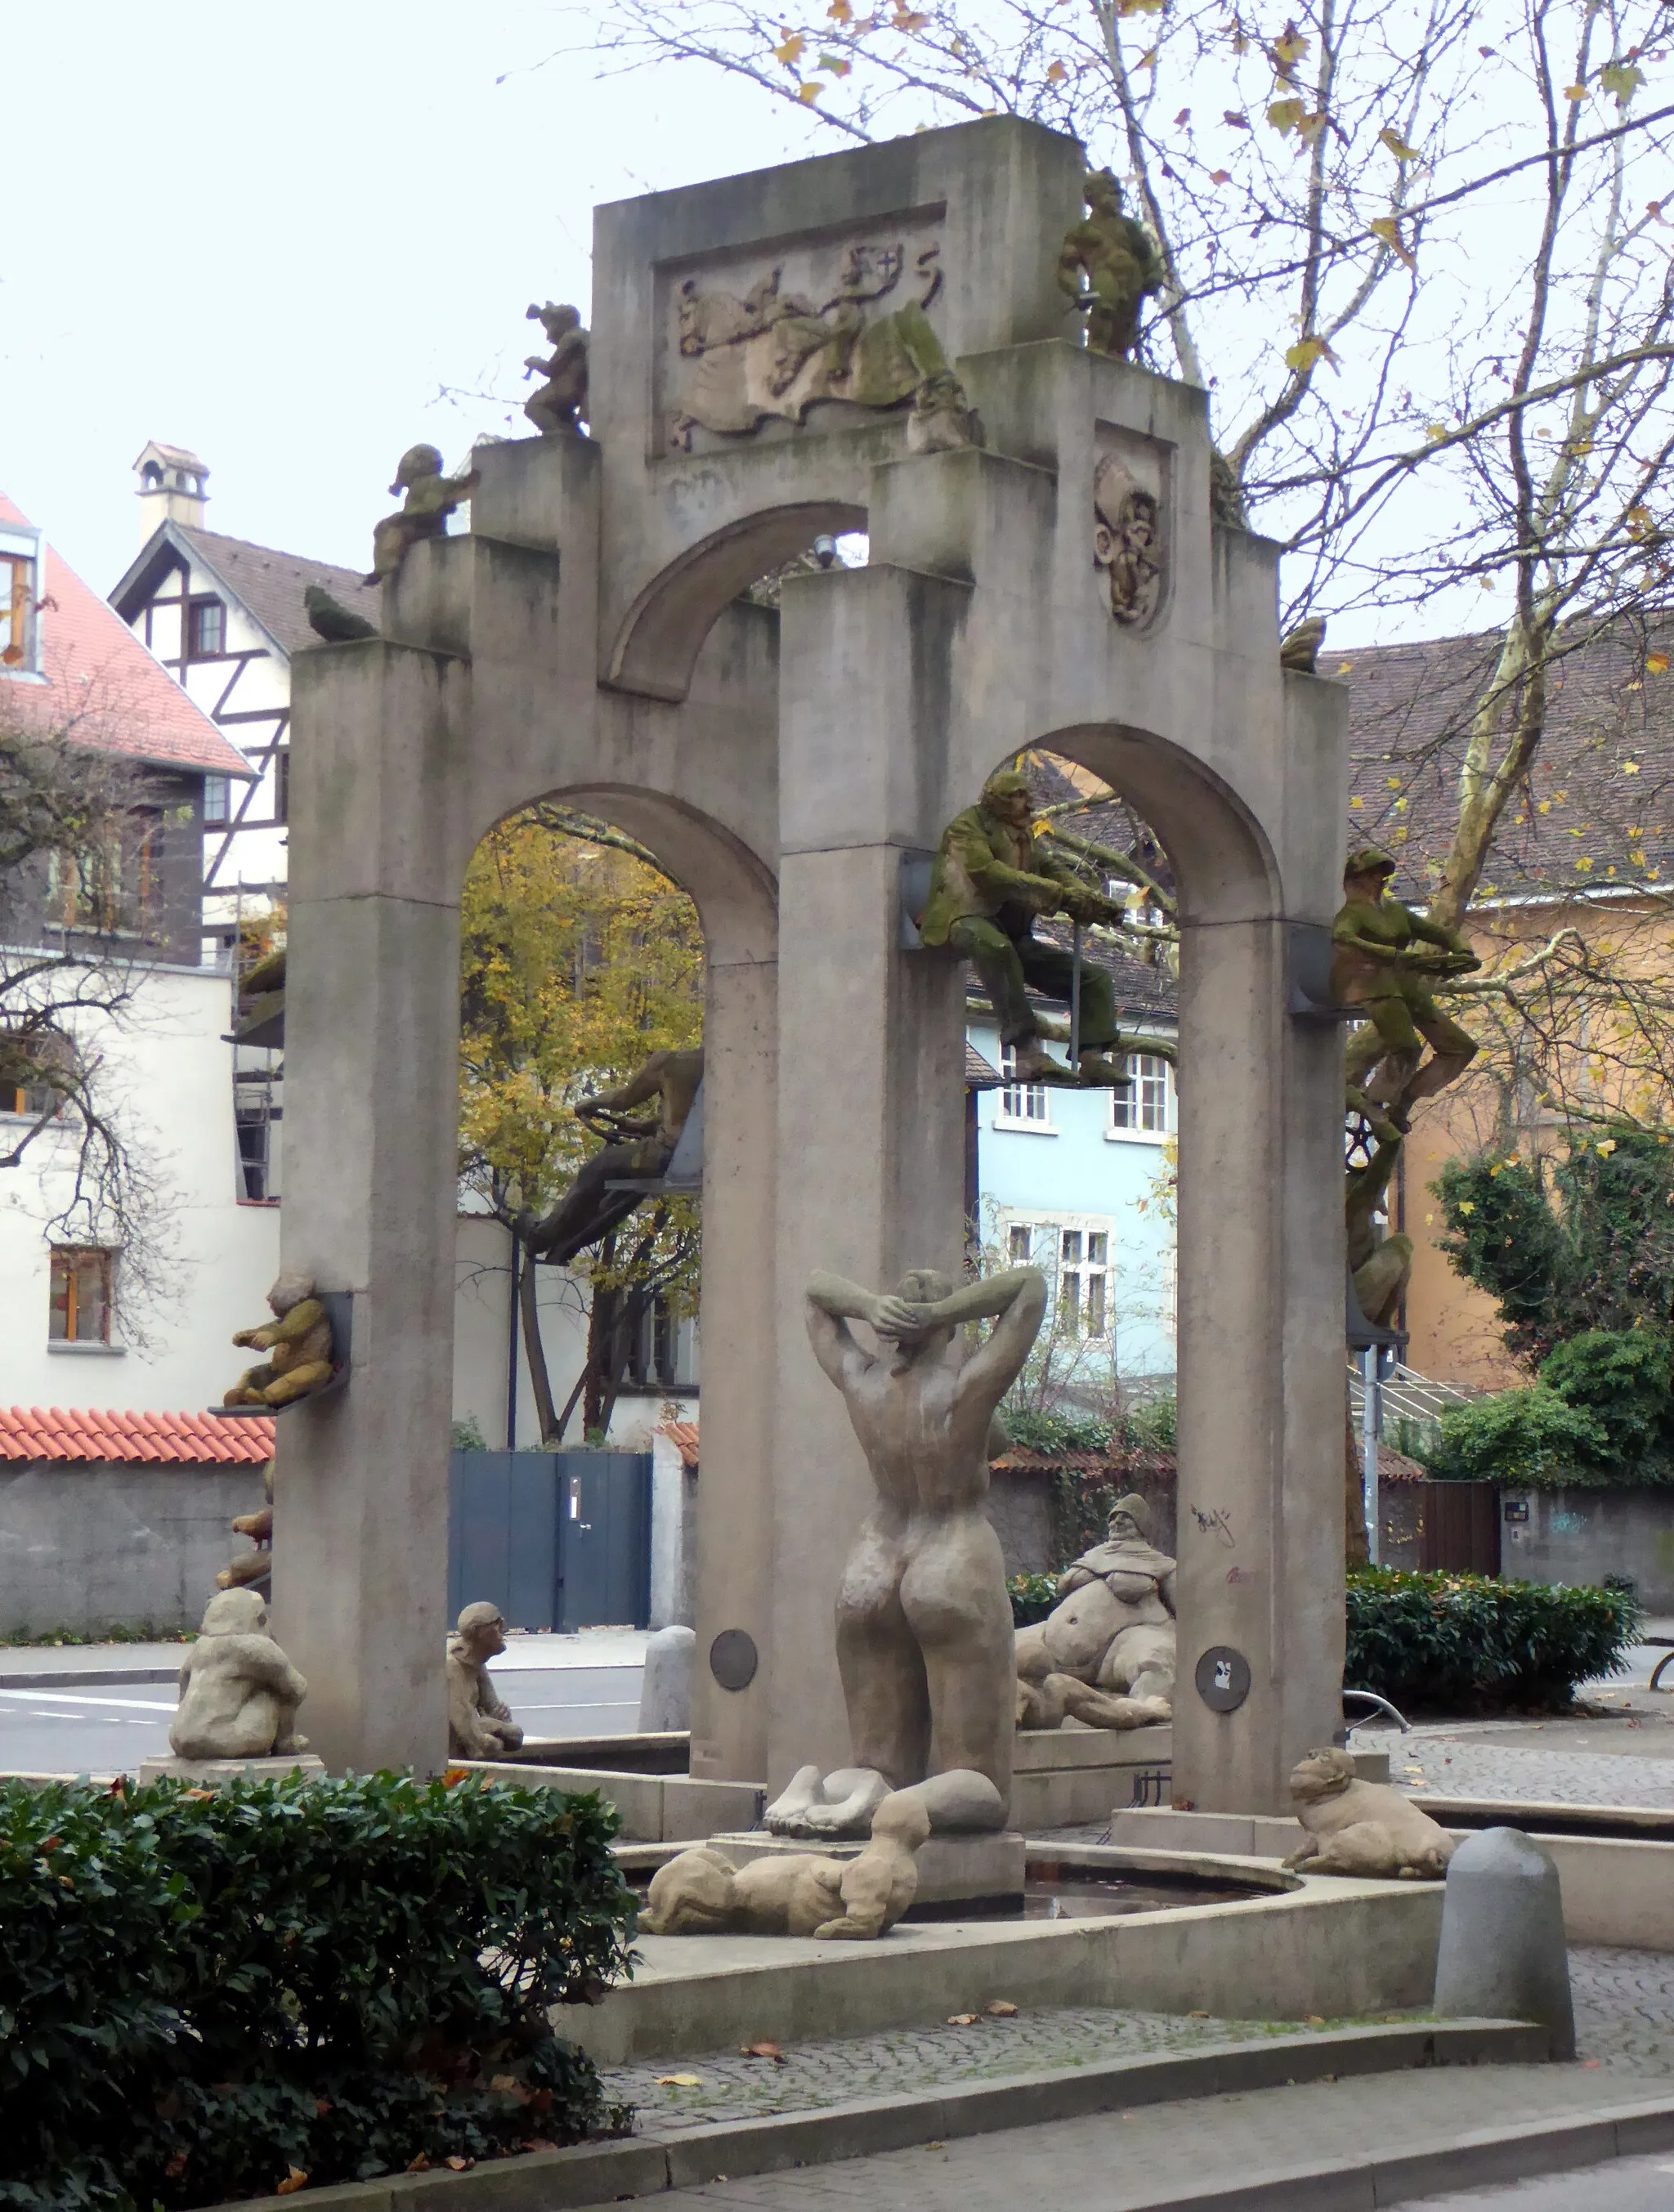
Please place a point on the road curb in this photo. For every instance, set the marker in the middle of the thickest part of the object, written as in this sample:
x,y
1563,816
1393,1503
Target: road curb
x,y
594,2173
97,1678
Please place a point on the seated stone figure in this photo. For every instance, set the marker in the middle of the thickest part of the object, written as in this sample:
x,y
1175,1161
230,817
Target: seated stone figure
x,y
239,1692
1359,1827
297,1345
702,1892
1112,1631
478,1725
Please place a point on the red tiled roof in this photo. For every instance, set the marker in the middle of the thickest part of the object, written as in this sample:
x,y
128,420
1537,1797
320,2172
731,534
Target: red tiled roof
x,y
1020,1459
103,689
35,1432
684,1434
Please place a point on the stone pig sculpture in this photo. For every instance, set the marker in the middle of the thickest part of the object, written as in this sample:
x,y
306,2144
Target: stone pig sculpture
x,y
796,1893
1362,1828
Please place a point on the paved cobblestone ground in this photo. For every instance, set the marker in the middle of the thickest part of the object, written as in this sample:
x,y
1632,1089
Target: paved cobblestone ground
x,y
810,2076
1526,1765
1625,2021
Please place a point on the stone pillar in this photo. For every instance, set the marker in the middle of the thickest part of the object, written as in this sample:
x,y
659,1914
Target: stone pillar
x,y
871,1157
1260,1335
372,1117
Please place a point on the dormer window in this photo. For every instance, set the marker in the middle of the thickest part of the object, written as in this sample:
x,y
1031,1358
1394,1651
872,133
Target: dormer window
x,y
20,602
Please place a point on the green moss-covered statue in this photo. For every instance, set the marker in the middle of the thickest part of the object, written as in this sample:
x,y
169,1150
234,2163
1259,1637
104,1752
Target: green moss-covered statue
x,y
990,879
1387,959
1108,265
431,498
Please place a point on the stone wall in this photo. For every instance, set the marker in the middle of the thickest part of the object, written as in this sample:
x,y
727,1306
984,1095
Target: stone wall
x,y
1020,1505
1579,1536
91,1545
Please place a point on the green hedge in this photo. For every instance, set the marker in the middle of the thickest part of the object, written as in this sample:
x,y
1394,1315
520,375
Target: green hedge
x,y
1033,1597
204,1995
1470,1642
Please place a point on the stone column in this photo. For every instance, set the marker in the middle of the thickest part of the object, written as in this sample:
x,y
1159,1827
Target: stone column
x,y
871,1158
1260,1335
372,1115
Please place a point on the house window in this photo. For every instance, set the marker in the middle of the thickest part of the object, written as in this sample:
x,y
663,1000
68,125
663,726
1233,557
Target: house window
x,y
1146,1107
214,799
281,784
82,1280
1083,1263
1021,1105
1020,1243
206,629
17,599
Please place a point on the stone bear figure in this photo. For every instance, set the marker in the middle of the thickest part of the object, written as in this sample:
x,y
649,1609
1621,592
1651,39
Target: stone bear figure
x,y
297,1343
796,1893
239,1692
1359,1827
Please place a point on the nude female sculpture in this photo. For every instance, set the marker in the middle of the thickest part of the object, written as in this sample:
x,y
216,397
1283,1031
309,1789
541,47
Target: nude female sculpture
x,y
923,1620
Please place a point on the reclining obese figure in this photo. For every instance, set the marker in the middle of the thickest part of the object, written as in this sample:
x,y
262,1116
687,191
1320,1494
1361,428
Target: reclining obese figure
x,y
990,881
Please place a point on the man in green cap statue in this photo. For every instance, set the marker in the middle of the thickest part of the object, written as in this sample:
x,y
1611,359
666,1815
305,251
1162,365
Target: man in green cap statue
x,y
990,881
1387,958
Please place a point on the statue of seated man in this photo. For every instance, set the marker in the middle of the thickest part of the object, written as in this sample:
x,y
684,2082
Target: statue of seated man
x,y
924,1621
990,881
1112,1629
479,1726
239,1692
1387,959
638,1145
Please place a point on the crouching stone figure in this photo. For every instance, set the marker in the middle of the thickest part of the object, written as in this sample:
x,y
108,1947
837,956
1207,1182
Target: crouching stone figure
x,y
239,1692
1362,1828
479,1726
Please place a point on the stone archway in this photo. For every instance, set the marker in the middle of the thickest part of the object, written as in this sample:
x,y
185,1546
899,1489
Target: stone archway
x,y
581,640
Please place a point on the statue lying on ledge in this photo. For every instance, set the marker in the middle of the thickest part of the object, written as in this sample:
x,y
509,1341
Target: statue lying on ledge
x,y
479,1725
923,1620
1363,1828
1387,958
239,1692
297,1343
990,881
794,1893
638,1145
1105,1655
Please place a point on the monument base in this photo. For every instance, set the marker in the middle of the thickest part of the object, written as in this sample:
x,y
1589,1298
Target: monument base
x,y
212,1773
957,1874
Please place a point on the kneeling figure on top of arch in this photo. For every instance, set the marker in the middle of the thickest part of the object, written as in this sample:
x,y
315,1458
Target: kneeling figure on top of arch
x,y
1105,1655
923,1618
991,878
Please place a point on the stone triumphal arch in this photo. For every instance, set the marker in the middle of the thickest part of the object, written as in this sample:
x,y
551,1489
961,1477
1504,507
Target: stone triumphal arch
x,y
587,637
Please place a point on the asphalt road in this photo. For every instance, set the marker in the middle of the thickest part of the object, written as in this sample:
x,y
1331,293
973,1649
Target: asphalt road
x,y
110,1729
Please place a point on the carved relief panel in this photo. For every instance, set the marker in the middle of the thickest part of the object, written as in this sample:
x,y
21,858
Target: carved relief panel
x,y
765,336
1132,525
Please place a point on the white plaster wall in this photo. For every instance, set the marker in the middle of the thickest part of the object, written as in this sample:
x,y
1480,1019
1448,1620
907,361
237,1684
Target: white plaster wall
x,y
167,1076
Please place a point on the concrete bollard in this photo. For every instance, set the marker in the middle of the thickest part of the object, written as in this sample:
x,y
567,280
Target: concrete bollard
x,y
665,1690
1503,1955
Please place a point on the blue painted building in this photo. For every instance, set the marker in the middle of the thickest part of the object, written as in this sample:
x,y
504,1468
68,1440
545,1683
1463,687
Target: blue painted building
x,y
1081,1184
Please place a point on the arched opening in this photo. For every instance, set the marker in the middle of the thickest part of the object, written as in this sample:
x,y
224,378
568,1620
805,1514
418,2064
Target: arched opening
x,y
659,642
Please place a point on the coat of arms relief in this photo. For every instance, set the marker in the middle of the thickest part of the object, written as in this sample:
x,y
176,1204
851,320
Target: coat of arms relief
x,y
1130,528
847,322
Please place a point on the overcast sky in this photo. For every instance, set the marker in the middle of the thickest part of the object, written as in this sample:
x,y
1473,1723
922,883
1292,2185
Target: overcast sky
x,y
272,235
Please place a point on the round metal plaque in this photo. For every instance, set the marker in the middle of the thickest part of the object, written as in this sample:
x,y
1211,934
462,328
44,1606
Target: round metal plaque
x,y
733,1659
1222,1678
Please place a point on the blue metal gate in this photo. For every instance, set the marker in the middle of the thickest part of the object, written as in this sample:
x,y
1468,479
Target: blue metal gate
x,y
557,1540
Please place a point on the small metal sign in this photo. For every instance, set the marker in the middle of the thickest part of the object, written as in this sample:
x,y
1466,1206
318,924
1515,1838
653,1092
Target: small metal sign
x,y
1516,1508
1222,1678
733,1659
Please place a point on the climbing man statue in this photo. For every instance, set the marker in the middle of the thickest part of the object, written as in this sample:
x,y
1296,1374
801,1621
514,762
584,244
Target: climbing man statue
x,y
990,879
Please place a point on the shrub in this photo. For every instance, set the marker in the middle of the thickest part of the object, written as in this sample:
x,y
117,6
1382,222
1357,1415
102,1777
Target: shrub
x,y
1033,1597
1621,1378
1524,1437
204,1995
1470,1642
